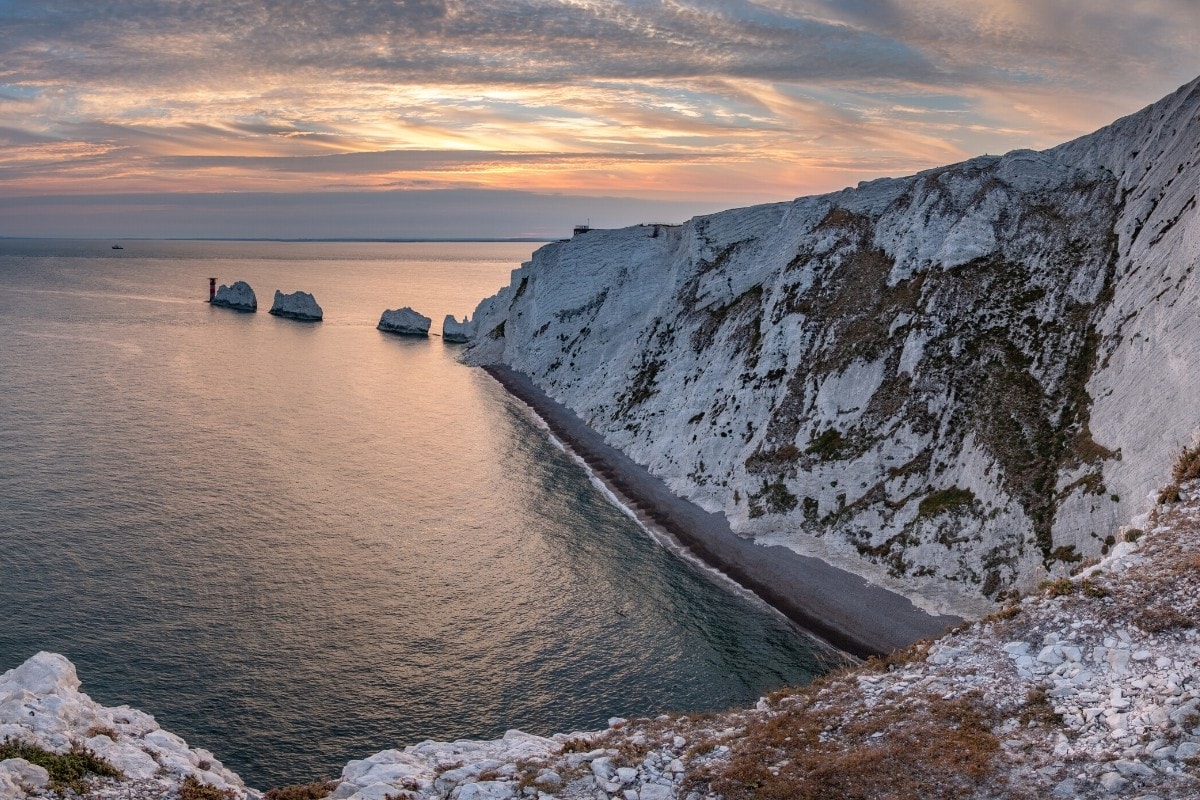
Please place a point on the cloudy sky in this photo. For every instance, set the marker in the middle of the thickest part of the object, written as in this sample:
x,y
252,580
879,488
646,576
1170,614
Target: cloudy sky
x,y
381,118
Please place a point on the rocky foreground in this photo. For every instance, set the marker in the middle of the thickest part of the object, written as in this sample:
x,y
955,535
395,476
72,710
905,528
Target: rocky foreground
x,y
1088,689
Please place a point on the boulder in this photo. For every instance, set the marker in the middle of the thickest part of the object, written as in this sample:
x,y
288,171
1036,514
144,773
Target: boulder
x,y
454,331
297,305
404,321
239,297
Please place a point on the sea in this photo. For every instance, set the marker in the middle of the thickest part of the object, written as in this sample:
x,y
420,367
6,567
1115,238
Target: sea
x,y
297,544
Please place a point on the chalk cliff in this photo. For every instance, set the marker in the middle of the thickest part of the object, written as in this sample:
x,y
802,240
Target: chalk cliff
x,y
953,383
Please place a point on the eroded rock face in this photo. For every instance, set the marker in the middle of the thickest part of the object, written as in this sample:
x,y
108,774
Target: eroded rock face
x,y
952,384
40,703
404,321
297,305
239,297
454,331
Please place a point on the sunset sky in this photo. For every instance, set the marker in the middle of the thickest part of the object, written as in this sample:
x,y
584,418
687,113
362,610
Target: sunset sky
x,y
366,118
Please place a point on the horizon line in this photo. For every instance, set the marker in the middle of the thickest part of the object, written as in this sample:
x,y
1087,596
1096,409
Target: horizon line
x,y
351,239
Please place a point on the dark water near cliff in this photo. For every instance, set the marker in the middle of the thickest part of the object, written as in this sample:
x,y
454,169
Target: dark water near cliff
x,y
297,544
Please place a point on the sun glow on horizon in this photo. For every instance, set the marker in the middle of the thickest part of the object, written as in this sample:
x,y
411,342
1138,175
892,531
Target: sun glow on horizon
x,y
696,100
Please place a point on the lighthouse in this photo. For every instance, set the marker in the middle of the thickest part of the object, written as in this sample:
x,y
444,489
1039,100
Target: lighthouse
x,y
212,289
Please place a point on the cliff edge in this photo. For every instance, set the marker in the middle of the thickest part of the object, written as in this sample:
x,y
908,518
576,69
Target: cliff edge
x,y
954,384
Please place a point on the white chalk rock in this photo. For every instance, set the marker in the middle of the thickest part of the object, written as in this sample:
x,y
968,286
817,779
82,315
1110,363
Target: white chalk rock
x,y
297,305
404,321
454,331
239,297
24,774
40,703
44,674
9,787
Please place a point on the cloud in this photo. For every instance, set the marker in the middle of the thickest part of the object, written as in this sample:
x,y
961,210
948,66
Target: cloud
x,y
123,42
746,100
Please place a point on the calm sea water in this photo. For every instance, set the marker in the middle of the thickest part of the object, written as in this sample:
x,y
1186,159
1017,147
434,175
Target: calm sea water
x,y
297,544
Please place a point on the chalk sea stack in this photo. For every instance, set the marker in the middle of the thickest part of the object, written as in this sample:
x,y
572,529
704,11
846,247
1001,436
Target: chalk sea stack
x,y
297,305
239,297
454,331
405,322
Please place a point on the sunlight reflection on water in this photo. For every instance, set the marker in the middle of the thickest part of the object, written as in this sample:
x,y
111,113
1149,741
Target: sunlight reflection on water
x,y
297,544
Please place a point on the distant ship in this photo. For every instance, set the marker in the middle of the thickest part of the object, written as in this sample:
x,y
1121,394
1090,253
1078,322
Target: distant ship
x,y
117,247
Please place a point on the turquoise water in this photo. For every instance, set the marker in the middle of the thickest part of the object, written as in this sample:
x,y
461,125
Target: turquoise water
x,y
297,544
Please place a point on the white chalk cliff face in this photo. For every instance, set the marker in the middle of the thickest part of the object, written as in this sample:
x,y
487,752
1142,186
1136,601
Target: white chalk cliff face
x,y
951,383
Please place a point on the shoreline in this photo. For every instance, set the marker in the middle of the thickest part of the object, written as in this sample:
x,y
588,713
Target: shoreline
x,y
837,606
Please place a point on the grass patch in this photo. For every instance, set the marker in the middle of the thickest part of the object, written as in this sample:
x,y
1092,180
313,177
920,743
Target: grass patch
x,y
1004,614
917,651
302,791
1062,587
774,498
945,500
928,748
827,446
1158,619
1038,709
1067,553
1065,587
68,771
1169,494
765,460
193,788
101,730
1187,466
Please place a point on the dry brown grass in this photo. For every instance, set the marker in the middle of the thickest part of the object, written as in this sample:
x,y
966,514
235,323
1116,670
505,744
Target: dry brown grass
x,y
1158,619
1004,614
1039,709
1062,587
1187,466
193,789
578,744
302,791
101,730
927,747
1169,494
917,651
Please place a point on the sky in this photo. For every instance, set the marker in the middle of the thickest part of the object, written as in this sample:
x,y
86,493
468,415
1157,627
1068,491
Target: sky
x,y
508,118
